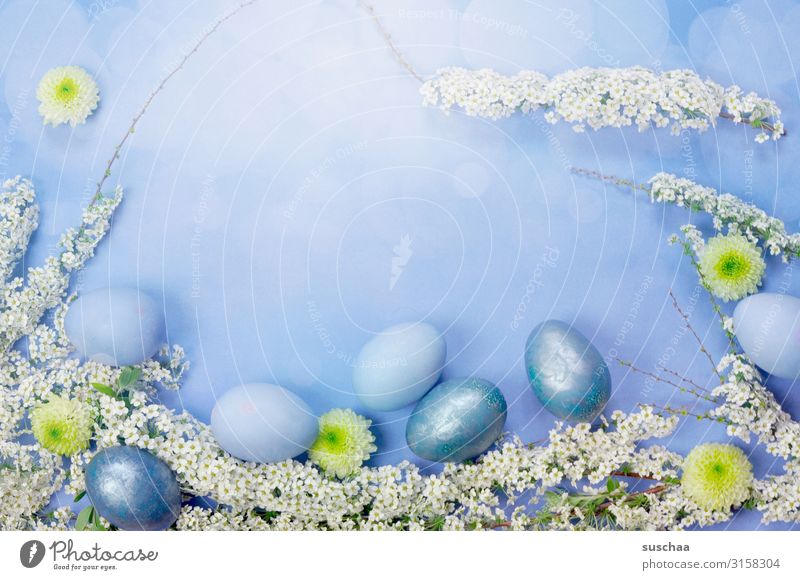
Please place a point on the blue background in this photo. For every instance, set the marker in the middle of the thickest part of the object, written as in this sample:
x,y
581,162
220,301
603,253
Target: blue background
x,y
269,184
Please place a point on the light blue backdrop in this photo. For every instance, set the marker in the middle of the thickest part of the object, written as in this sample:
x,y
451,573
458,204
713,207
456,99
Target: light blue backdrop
x,y
275,179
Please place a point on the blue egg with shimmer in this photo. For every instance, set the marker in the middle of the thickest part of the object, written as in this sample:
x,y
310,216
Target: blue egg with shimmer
x,y
566,372
263,423
399,365
115,326
457,420
767,326
133,489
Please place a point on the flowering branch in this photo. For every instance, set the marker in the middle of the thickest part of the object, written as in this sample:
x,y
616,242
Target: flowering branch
x,y
595,97
605,97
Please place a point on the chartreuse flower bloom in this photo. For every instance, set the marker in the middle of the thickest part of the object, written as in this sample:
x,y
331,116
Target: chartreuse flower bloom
x,y
67,94
344,442
62,425
717,476
732,266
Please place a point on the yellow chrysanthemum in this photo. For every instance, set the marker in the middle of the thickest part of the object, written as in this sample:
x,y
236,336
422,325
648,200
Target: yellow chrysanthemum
x,y
67,94
344,442
62,425
732,266
717,476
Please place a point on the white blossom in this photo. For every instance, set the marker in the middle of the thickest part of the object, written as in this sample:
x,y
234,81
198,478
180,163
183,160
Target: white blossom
x,y
604,97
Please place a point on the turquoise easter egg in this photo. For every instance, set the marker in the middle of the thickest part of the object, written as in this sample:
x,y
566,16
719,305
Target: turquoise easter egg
x,y
115,326
133,489
264,423
767,326
399,365
457,419
566,372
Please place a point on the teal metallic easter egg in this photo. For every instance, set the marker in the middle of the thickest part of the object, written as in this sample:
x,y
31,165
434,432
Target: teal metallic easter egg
x,y
457,419
566,372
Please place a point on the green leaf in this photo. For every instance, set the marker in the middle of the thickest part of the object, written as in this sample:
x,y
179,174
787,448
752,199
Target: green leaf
x,y
97,526
79,496
128,376
612,484
84,518
105,389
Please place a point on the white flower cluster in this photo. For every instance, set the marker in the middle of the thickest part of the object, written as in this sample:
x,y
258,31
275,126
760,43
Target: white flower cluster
x,y
19,218
604,97
726,211
750,409
24,300
29,476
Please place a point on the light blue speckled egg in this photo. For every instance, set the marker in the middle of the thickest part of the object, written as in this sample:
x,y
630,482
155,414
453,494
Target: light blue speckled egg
x,y
457,419
115,326
133,489
566,372
767,326
264,423
399,365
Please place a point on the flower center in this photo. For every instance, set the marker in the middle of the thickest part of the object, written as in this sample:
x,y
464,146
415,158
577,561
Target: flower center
x,y
66,90
732,266
335,439
54,433
718,475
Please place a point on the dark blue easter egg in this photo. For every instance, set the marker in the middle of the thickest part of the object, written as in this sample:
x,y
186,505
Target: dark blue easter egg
x,y
456,420
566,372
133,489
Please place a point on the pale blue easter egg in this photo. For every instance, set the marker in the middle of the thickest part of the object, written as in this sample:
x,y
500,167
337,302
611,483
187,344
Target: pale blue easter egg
x,y
133,489
399,365
566,372
115,326
264,423
767,326
456,420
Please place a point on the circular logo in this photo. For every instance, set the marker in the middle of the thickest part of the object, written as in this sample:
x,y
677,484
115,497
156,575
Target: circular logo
x,y
31,553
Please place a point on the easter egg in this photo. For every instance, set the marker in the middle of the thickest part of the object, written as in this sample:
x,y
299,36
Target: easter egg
x,y
115,326
566,372
399,365
133,489
457,419
264,423
767,326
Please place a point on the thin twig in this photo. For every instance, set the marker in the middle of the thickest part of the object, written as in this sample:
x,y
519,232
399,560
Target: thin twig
x,y
610,179
634,475
767,126
685,380
132,128
707,396
696,336
657,489
389,41
684,413
714,303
